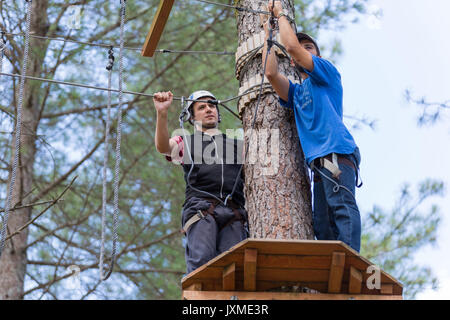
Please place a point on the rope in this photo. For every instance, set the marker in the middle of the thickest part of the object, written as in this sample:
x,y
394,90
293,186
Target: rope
x,y
18,129
3,43
109,67
337,186
118,140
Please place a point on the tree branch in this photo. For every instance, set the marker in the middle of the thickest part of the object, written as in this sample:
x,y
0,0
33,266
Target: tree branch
x,y
42,212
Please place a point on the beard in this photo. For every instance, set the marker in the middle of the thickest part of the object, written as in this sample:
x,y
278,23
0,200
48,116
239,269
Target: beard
x,y
210,125
205,125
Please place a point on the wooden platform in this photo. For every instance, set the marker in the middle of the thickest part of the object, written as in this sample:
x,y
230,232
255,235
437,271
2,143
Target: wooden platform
x,y
260,268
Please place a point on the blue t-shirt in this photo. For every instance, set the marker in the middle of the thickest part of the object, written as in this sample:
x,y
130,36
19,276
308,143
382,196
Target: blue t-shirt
x,y
317,105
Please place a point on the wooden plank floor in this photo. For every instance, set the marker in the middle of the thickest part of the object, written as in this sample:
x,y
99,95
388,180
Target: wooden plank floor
x,y
303,263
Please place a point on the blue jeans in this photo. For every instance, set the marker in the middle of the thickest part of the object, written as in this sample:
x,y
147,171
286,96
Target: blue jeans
x,y
335,214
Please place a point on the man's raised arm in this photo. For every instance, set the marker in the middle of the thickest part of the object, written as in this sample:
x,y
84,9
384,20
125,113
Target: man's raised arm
x,y
289,39
164,144
278,81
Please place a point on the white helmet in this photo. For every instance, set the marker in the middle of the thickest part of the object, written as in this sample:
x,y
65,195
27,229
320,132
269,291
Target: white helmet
x,y
197,95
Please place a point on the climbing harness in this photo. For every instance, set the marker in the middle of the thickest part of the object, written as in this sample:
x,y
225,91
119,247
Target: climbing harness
x,y
118,157
18,128
201,214
333,167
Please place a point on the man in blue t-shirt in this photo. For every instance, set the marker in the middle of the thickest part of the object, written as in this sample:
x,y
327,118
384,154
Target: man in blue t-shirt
x,y
329,148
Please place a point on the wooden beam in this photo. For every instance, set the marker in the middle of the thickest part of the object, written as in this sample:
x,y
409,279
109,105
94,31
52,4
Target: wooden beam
x,y
387,288
250,259
336,272
157,28
245,295
229,278
195,287
355,281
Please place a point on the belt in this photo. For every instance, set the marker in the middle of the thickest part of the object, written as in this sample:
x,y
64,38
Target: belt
x,y
200,214
341,159
331,161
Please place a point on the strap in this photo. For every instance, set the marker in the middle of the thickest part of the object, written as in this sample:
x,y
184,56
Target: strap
x,y
201,214
330,166
333,167
196,217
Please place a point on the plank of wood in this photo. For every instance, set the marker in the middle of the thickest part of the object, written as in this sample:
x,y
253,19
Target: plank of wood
x,y
250,260
195,287
157,28
243,295
355,281
387,288
297,247
264,285
336,272
229,278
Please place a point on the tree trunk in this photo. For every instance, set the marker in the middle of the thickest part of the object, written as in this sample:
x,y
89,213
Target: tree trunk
x,y
13,261
277,186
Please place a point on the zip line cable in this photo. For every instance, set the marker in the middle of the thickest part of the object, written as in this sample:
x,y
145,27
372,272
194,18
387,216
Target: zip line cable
x,y
66,83
18,128
106,45
235,7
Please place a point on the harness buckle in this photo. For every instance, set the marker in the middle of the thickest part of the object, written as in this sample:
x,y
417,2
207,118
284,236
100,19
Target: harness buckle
x,y
200,214
332,166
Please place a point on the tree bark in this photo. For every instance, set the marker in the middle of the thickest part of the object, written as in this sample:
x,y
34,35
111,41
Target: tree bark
x,y
277,188
13,261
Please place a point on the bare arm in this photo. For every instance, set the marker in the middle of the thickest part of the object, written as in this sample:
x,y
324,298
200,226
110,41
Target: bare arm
x,y
164,144
289,39
278,81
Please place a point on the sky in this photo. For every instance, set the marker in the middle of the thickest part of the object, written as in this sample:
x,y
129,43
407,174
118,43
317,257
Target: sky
x,y
407,47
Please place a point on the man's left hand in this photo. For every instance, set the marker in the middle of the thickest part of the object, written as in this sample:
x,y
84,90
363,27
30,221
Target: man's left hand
x,y
277,9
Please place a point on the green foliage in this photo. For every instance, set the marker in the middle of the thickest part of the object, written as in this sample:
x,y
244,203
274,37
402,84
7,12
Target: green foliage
x,y
391,238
